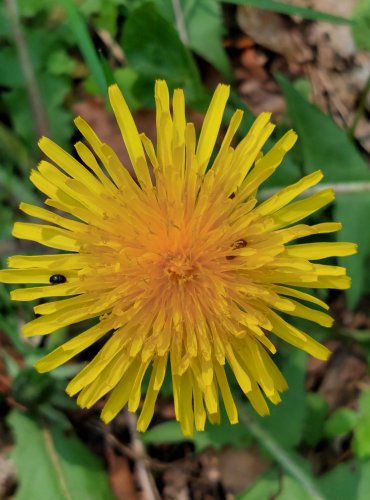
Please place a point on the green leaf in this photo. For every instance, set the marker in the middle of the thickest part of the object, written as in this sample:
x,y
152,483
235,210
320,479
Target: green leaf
x,y
361,26
353,212
364,482
61,63
291,489
85,44
292,10
30,8
13,150
215,436
30,388
364,403
317,409
158,53
289,432
53,90
324,144
12,76
52,464
341,422
126,79
107,19
200,24
271,485
88,7
167,432
361,441
266,486
341,483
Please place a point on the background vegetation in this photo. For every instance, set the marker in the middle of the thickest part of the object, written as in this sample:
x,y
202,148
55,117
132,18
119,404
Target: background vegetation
x,y
57,59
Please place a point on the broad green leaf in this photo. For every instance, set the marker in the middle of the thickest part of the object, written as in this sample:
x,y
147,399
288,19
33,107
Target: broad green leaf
x,y
292,463
317,409
215,436
341,422
89,7
324,144
30,8
126,79
291,489
272,485
341,483
293,10
266,486
361,440
200,24
158,53
54,465
107,19
364,403
353,210
364,482
286,430
61,63
167,432
361,26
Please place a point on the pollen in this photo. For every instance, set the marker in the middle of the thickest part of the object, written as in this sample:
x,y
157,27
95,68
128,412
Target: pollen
x,y
180,268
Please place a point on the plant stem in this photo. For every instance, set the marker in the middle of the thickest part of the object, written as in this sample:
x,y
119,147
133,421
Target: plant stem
x,y
34,95
340,187
180,22
280,455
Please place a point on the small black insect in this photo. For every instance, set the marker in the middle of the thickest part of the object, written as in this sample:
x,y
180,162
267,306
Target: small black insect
x,y
235,246
56,279
239,244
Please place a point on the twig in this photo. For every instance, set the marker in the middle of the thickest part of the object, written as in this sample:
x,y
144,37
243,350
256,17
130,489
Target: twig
x,y
144,476
361,108
34,95
152,463
280,455
340,187
180,21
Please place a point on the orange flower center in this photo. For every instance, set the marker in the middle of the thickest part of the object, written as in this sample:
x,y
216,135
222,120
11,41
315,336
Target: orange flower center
x,y
180,268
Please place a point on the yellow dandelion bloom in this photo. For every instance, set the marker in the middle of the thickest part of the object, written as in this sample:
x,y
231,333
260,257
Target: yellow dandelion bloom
x,y
182,267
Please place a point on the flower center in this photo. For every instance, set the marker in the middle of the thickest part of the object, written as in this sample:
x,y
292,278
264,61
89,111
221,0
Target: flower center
x,y
180,268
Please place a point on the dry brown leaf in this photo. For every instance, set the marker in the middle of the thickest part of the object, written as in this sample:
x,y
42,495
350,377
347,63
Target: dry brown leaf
x,y
274,32
240,468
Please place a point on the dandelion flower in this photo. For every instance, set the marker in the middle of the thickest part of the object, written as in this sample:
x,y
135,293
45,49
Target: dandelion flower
x,y
182,267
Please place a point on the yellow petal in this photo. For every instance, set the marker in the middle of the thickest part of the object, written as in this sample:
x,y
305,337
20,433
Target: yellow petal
x,y
316,251
71,348
211,126
130,135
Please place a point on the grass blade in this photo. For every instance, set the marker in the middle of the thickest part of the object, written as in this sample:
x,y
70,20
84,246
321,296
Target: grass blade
x,y
85,44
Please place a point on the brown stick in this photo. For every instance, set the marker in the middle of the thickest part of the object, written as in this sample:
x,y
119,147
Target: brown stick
x,y
34,96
